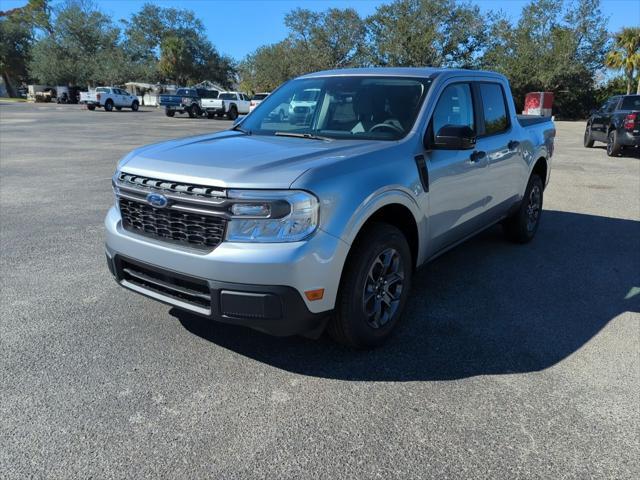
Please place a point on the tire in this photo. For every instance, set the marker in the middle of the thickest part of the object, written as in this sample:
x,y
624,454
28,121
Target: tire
x,y
588,139
91,107
193,111
135,106
613,147
108,106
169,113
522,226
233,113
363,318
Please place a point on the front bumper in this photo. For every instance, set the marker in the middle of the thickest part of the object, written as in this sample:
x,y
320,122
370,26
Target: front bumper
x,y
281,271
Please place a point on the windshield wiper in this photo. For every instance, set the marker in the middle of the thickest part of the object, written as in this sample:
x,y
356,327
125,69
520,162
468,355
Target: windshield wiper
x,y
238,128
310,136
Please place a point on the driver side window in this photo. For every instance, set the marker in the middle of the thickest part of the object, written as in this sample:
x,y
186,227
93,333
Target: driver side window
x,y
454,107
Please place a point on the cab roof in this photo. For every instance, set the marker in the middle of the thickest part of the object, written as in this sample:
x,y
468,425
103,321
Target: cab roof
x,y
421,72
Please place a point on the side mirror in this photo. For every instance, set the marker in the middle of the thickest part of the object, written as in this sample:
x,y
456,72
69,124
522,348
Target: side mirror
x,y
238,119
455,137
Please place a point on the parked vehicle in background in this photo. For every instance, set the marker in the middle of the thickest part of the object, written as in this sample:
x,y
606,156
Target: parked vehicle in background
x,y
230,104
186,100
256,100
290,228
109,98
303,105
617,123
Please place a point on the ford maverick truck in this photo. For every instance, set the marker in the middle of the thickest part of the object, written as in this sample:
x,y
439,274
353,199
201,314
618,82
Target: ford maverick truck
x,y
297,227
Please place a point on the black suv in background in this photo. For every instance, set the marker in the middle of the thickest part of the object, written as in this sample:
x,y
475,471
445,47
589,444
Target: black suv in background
x,y
617,123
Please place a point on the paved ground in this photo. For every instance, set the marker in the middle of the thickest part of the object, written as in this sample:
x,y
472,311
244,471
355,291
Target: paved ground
x,y
512,362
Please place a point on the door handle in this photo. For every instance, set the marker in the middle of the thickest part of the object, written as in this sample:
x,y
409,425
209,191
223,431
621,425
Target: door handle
x,y
513,144
477,155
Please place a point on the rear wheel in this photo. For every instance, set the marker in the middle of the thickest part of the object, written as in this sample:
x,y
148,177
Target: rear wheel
x,y
135,105
233,113
523,225
91,107
169,113
193,111
588,139
108,106
374,288
613,147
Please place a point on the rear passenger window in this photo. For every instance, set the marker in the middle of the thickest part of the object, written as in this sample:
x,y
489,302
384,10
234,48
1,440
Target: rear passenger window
x,y
455,107
495,113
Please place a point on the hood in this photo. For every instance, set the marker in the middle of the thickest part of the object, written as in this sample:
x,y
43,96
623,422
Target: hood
x,y
235,160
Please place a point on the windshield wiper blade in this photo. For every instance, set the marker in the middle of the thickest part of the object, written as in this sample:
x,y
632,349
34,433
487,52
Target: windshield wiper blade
x,y
310,136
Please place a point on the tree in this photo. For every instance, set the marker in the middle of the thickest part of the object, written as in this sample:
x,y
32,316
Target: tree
x,y
18,28
83,47
626,55
171,44
551,49
413,33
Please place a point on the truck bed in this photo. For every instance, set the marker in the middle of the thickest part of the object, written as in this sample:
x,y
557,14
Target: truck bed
x,y
529,120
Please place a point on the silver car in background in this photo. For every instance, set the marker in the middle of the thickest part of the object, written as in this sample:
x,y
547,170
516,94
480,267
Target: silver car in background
x,y
293,226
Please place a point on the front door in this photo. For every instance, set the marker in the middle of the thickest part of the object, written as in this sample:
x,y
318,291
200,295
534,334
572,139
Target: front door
x,y
458,192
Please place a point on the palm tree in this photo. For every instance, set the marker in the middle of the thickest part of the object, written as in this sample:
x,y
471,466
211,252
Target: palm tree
x,y
626,54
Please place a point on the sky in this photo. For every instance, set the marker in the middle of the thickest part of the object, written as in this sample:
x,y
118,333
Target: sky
x,y
238,27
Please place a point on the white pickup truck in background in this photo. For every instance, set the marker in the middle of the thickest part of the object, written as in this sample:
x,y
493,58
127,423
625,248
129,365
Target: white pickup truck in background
x,y
230,104
109,98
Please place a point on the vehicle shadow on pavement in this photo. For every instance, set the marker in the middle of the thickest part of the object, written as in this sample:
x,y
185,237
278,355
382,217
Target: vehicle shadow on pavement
x,y
486,307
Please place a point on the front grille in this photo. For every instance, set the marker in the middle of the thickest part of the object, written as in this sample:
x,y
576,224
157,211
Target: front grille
x,y
188,229
193,291
163,186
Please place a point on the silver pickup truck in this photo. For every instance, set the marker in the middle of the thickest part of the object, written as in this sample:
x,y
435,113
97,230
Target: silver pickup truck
x,y
294,227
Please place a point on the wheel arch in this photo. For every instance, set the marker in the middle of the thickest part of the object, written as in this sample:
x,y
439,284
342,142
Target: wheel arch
x,y
395,208
541,168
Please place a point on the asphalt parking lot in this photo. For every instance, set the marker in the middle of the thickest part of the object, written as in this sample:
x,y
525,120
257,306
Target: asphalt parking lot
x,y
512,361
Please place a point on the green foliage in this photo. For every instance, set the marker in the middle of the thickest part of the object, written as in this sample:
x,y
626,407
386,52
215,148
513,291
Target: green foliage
x,y
551,49
317,41
82,48
409,33
625,55
17,31
169,44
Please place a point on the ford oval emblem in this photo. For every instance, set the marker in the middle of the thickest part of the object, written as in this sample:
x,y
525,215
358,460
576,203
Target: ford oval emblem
x,y
157,200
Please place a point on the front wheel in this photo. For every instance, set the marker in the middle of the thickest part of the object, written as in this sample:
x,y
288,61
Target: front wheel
x,y
523,225
374,288
135,106
588,139
613,147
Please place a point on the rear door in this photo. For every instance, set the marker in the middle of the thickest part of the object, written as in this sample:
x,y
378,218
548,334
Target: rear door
x,y
497,139
602,118
458,189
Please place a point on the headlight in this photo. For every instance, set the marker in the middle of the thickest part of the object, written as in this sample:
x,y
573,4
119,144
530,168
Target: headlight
x,y
271,215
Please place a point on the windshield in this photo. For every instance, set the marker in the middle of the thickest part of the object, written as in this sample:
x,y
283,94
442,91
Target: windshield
x,y
227,96
381,108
